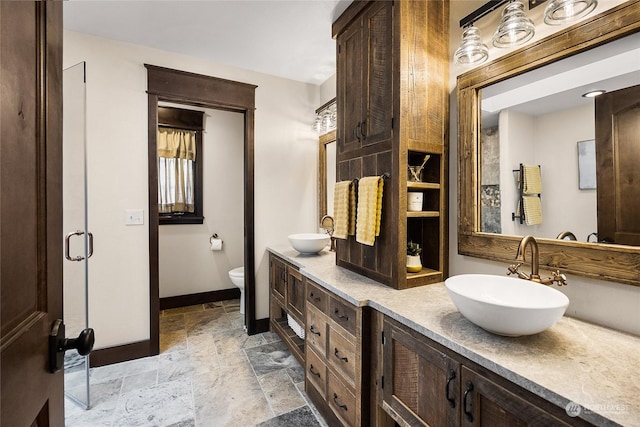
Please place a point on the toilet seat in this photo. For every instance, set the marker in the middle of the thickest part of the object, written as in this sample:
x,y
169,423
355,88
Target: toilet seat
x,y
237,272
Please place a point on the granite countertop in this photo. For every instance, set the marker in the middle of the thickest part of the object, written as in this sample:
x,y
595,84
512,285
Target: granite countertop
x,y
572,362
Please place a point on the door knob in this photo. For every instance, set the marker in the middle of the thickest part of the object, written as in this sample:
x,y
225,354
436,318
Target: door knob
x,y
58,344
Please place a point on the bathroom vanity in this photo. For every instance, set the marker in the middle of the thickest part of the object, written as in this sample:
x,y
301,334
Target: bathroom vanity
x,y
417,360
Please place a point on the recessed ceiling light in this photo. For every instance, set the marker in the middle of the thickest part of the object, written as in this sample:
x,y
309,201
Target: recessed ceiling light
x,y
593,93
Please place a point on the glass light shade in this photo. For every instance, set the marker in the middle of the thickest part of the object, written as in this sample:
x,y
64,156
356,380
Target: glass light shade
x,y
471,50
560,11
515,28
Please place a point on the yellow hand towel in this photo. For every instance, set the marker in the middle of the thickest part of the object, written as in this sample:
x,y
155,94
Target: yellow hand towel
x,y
369,212
532,210
343,209
532,183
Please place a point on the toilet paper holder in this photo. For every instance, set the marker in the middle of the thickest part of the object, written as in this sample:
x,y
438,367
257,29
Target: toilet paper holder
x,y
213,239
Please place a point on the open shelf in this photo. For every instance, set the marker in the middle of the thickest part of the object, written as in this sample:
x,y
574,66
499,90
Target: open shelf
x,y
412,185
294,342
424,277
423,214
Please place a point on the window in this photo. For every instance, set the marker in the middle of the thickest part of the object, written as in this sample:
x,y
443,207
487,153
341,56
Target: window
x,y
179,153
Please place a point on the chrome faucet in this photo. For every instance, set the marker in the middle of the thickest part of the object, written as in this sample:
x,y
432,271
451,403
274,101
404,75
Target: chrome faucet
x,y
556,277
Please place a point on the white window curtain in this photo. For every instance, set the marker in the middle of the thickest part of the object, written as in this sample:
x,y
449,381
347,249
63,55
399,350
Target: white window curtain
x,y
176,162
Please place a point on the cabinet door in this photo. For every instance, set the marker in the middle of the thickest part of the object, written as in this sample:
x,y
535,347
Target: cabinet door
x,y
485,403
295,294
278,279
349,88
421,384
378,109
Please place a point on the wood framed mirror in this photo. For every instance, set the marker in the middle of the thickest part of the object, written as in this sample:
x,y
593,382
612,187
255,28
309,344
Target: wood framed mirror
x,y
326,173
613,262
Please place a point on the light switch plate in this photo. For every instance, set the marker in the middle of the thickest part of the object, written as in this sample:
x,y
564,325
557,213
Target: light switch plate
x,y
134,216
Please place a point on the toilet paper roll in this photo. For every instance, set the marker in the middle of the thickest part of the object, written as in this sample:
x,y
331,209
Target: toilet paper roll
x,y
216,244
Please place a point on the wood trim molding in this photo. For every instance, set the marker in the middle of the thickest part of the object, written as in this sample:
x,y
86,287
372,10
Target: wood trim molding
x,y
199,298
120,353
599,261
262,325
165,84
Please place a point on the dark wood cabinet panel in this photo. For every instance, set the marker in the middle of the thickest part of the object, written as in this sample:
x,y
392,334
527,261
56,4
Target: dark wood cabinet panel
x,y
425,384
392,98
295,294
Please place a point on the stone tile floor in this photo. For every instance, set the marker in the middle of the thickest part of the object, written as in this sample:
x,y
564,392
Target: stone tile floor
x,y
209,373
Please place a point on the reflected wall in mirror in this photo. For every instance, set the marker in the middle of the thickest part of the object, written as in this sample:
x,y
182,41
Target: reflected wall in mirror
x,y
542,118
326,173
491,182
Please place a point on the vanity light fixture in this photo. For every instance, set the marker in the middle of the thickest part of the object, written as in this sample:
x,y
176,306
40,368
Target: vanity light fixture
x,y
326,118
560,11
471,50
593,93
515,28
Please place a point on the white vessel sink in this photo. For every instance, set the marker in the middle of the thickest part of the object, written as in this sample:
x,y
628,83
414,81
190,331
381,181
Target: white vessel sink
x,y
309,243
505,305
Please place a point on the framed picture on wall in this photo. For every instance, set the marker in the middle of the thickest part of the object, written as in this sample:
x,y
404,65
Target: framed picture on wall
x,y
587,164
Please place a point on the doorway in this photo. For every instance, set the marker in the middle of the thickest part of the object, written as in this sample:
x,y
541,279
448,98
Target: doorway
x,y
180,87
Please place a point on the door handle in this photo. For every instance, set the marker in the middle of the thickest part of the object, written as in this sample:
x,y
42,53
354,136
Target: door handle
x,y
67,246
58,344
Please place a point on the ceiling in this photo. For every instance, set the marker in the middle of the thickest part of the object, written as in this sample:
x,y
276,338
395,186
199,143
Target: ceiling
x,y
290,39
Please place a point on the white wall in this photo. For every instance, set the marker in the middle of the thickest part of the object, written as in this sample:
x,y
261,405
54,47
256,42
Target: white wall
x,y
606,303
187,265
285,173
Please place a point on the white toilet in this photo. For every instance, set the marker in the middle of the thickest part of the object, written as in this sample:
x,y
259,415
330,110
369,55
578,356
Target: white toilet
x,y
237,278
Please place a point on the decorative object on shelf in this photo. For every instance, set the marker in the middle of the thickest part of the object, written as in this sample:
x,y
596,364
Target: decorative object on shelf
x,y
561,11
326,118
515,27
415,172
414,201
414,265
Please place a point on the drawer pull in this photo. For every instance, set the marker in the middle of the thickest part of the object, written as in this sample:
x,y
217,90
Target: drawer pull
x,y
337,354
335,400
341,316
467,414
313,371
452,376
313,330
315,298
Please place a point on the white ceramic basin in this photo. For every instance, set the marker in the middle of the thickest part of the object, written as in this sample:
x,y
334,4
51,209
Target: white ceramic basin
x,y
309,243
506,305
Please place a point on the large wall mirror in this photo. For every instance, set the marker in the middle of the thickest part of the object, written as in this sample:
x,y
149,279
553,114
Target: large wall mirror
x,y
527,108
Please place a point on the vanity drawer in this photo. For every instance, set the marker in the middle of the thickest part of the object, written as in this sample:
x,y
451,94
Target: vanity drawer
x,y
342,354
342,400
316,330
343,314
316,372
317,296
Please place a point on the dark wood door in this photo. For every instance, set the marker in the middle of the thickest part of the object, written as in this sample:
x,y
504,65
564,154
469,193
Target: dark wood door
x,y
485,403
377,111
31,210
421,384
618,174
349,90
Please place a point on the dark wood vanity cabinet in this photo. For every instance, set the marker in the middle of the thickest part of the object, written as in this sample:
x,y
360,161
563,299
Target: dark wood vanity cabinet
x,y
424,383
393,108
334,358
286,297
